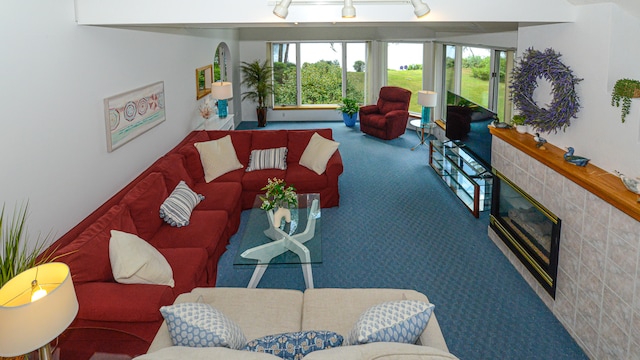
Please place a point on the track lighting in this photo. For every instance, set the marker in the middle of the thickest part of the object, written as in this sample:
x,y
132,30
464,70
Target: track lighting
x,y
282,9
420,9
348,11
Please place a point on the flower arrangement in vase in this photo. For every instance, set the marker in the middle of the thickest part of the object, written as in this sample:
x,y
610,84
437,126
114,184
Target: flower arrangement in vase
x,y
278,194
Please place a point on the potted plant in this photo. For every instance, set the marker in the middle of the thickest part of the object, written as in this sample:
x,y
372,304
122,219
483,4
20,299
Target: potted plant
x,y
257,78
624,90
349,109
518,121
16,255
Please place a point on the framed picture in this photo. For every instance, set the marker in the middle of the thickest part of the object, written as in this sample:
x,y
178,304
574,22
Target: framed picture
x,y
130,114
204,77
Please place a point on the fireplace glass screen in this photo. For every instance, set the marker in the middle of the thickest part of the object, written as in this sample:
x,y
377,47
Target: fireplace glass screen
x,y
530,230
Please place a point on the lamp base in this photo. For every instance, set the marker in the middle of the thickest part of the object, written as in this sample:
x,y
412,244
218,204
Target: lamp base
x,y
222,108
44,353
426,116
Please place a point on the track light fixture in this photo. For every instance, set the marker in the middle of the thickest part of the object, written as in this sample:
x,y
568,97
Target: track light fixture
x,y
348,11
282,9
419,8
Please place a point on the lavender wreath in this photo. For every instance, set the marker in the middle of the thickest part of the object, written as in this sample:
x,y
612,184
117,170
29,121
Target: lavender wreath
x,y
536,65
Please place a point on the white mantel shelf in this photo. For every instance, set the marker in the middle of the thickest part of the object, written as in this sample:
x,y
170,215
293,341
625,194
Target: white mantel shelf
x,y
599,182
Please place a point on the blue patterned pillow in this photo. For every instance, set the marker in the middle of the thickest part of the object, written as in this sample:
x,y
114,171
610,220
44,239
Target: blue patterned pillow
x,y
201,325
295,345
268,159
394,321
176,209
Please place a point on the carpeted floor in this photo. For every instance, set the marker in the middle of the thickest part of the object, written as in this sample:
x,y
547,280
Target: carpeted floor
x,y
399,226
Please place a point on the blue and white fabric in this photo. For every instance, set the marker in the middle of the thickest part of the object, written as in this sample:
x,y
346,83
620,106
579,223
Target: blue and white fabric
x,y
275,158
295,345
395,321
176,209
201,325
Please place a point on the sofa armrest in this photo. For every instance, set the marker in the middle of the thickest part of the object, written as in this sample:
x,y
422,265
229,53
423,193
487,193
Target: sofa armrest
x,y
111,301
334,166
396,115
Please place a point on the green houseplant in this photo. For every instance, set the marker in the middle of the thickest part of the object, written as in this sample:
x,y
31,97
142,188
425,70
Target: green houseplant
x,y
519,122
623,91
349,109
16,255
256,77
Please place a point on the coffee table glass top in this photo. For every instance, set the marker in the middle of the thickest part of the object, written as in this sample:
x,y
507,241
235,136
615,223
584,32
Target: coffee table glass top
x,y
254,234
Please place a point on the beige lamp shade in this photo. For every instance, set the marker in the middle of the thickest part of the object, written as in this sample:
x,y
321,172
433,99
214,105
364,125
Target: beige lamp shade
x,y
427,98
25,325
221,90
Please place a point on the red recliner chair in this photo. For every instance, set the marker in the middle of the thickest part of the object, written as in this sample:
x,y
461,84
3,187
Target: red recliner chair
x,y
388,118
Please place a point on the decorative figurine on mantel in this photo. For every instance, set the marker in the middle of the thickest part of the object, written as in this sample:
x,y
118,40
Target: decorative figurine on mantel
x,y
540,141
574,159
632,185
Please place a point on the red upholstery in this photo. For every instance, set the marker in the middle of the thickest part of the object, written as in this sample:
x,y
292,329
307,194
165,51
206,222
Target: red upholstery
x,y
123,318
388,118
85,256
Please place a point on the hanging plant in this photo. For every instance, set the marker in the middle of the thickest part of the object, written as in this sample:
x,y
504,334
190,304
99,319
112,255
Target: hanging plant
x,y
624,90
546,65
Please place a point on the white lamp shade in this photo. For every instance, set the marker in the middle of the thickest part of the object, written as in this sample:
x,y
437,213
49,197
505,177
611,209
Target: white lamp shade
x,y
427,98
26,326
221,90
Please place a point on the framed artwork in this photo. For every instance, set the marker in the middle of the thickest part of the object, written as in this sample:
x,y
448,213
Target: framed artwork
x,y
130,114
204,79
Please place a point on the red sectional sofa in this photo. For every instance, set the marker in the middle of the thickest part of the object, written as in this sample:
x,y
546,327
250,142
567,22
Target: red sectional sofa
x,y
123,318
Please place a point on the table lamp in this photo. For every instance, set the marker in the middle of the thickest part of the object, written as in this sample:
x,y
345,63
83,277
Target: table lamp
x,y
427,99
35,307
222,91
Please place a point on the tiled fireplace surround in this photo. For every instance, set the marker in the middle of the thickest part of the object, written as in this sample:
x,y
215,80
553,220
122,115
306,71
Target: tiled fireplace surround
x,y
598,294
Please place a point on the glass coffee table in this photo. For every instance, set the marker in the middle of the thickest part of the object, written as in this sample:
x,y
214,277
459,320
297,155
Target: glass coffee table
x,y
298,242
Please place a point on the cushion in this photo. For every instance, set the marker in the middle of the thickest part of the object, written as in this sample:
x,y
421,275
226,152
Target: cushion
x,y
268,159
218,157
317,153
393,321
88,254
295,345
176,209
182,352
144,201
135,261
382,351
173,169
201,325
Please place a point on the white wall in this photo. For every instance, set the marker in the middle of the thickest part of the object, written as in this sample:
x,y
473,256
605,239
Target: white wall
x,y
55,75
601,48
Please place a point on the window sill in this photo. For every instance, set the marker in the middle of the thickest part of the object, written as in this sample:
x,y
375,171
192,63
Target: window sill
x,y
306,107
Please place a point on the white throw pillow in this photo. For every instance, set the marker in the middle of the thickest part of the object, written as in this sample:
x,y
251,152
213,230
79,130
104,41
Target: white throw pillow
x,y
218,157
135,261
317,153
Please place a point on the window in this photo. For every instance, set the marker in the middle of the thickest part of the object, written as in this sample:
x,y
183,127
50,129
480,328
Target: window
x,y
317,73
404,69
477,74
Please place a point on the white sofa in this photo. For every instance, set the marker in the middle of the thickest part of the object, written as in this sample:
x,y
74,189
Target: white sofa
x,y
260,312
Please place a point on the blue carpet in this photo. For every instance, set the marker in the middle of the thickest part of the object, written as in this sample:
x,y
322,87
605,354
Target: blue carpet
x,y
399,226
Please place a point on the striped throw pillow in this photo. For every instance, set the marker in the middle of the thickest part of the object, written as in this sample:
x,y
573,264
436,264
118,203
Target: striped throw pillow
x,y
275,158
176,209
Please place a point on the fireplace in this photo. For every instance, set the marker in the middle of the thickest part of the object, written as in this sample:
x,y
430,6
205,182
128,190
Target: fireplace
x,y
530,230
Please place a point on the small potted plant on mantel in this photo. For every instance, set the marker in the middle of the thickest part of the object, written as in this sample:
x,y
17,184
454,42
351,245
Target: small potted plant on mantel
x,y
624,90
349,109
518,122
